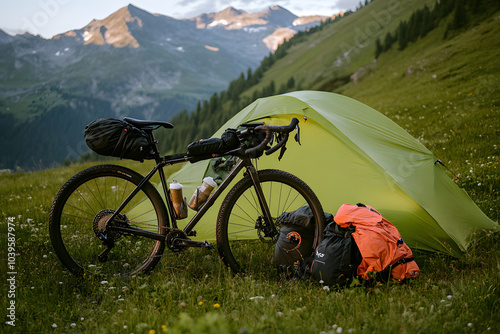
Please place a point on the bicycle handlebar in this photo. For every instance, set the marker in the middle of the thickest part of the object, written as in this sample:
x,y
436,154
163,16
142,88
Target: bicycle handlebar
x,y
270,130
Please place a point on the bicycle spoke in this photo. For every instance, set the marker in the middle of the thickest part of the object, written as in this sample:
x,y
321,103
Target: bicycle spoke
x,y
84,237
245,241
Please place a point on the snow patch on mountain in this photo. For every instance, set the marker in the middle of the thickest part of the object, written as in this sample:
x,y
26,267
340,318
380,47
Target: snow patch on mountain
x,y
218,22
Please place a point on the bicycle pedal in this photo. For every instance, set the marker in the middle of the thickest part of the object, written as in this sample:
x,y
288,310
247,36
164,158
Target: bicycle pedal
x,y
207,245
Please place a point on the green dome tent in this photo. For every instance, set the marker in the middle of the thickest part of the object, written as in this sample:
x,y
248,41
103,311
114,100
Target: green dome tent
x,y
351,153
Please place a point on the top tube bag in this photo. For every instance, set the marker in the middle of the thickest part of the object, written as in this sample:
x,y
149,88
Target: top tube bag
x,y
116,138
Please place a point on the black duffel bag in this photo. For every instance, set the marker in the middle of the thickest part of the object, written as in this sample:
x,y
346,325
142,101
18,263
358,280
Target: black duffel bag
x,y
116,138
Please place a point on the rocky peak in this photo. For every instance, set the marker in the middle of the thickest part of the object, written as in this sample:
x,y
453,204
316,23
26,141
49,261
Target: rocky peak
x,y
114,29
224,18
231,18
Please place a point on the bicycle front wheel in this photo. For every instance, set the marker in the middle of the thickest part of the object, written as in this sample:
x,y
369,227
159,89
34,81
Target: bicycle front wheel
x,y
82,235
242,240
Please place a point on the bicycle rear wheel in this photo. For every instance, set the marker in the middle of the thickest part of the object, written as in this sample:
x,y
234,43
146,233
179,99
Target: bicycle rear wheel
x,y
241,238
79,228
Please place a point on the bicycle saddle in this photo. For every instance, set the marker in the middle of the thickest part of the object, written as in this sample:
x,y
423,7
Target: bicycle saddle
x,y
141,123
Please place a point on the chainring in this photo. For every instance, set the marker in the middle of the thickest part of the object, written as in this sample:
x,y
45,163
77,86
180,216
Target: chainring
x,y
175,234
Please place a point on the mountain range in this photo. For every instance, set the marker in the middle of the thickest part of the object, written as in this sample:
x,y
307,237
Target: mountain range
x,y
132,63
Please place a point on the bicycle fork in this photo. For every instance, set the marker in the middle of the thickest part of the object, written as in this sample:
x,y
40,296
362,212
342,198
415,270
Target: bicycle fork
x,y
268,227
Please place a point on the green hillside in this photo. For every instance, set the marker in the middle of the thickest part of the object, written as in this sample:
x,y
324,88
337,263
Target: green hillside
x,y
442,90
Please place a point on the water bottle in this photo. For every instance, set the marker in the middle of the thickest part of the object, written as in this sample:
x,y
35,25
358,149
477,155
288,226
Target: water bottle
x,y
178,201
202,193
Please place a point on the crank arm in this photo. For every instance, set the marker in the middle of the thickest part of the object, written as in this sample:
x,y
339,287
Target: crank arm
x,y
192,243
103,257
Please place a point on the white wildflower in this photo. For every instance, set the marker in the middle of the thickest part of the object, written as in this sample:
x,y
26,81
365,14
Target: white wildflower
x,y
256,297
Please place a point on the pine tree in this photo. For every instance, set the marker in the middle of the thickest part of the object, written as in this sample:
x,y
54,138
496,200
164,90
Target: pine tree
x,y
388,41
378,48
403,35
426,21
460,17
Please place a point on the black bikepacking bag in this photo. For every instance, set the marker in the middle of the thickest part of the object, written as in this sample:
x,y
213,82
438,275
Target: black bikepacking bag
x,y
336,258
294,245
295,241
303,216
205,147
116,138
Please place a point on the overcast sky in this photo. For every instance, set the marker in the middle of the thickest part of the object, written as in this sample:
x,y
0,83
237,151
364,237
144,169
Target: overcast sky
x,y
51,17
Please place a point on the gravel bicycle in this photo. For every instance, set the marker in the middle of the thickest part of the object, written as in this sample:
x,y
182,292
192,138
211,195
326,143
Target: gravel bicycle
x,y
110,220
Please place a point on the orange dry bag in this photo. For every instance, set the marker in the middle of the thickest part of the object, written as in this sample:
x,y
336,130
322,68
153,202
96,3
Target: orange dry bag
x,y
379,243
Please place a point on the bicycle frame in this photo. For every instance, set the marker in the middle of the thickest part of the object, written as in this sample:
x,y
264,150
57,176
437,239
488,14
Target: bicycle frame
x,y
244,162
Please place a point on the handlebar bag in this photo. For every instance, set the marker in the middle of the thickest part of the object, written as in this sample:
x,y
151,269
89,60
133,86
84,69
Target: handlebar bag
x,y
254,140
116,138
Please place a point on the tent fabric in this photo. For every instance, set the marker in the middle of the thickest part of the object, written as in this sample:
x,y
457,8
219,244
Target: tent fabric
x,y
351,153
378,241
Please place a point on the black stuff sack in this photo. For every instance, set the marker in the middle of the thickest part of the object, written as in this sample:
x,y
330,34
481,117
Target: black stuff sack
x,y
294,245
303,216
296,240
116,138
336,258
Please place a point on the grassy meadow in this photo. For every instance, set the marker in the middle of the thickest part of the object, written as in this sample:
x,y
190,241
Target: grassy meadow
x,y
192,292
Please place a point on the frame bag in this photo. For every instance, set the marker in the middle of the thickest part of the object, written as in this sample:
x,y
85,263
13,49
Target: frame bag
x,y
206,147
117,138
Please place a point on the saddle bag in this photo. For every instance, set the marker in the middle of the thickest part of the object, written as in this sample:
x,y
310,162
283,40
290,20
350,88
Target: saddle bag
x,y
116,138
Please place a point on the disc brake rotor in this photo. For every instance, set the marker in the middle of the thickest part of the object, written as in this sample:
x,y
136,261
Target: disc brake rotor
x,y
265,233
